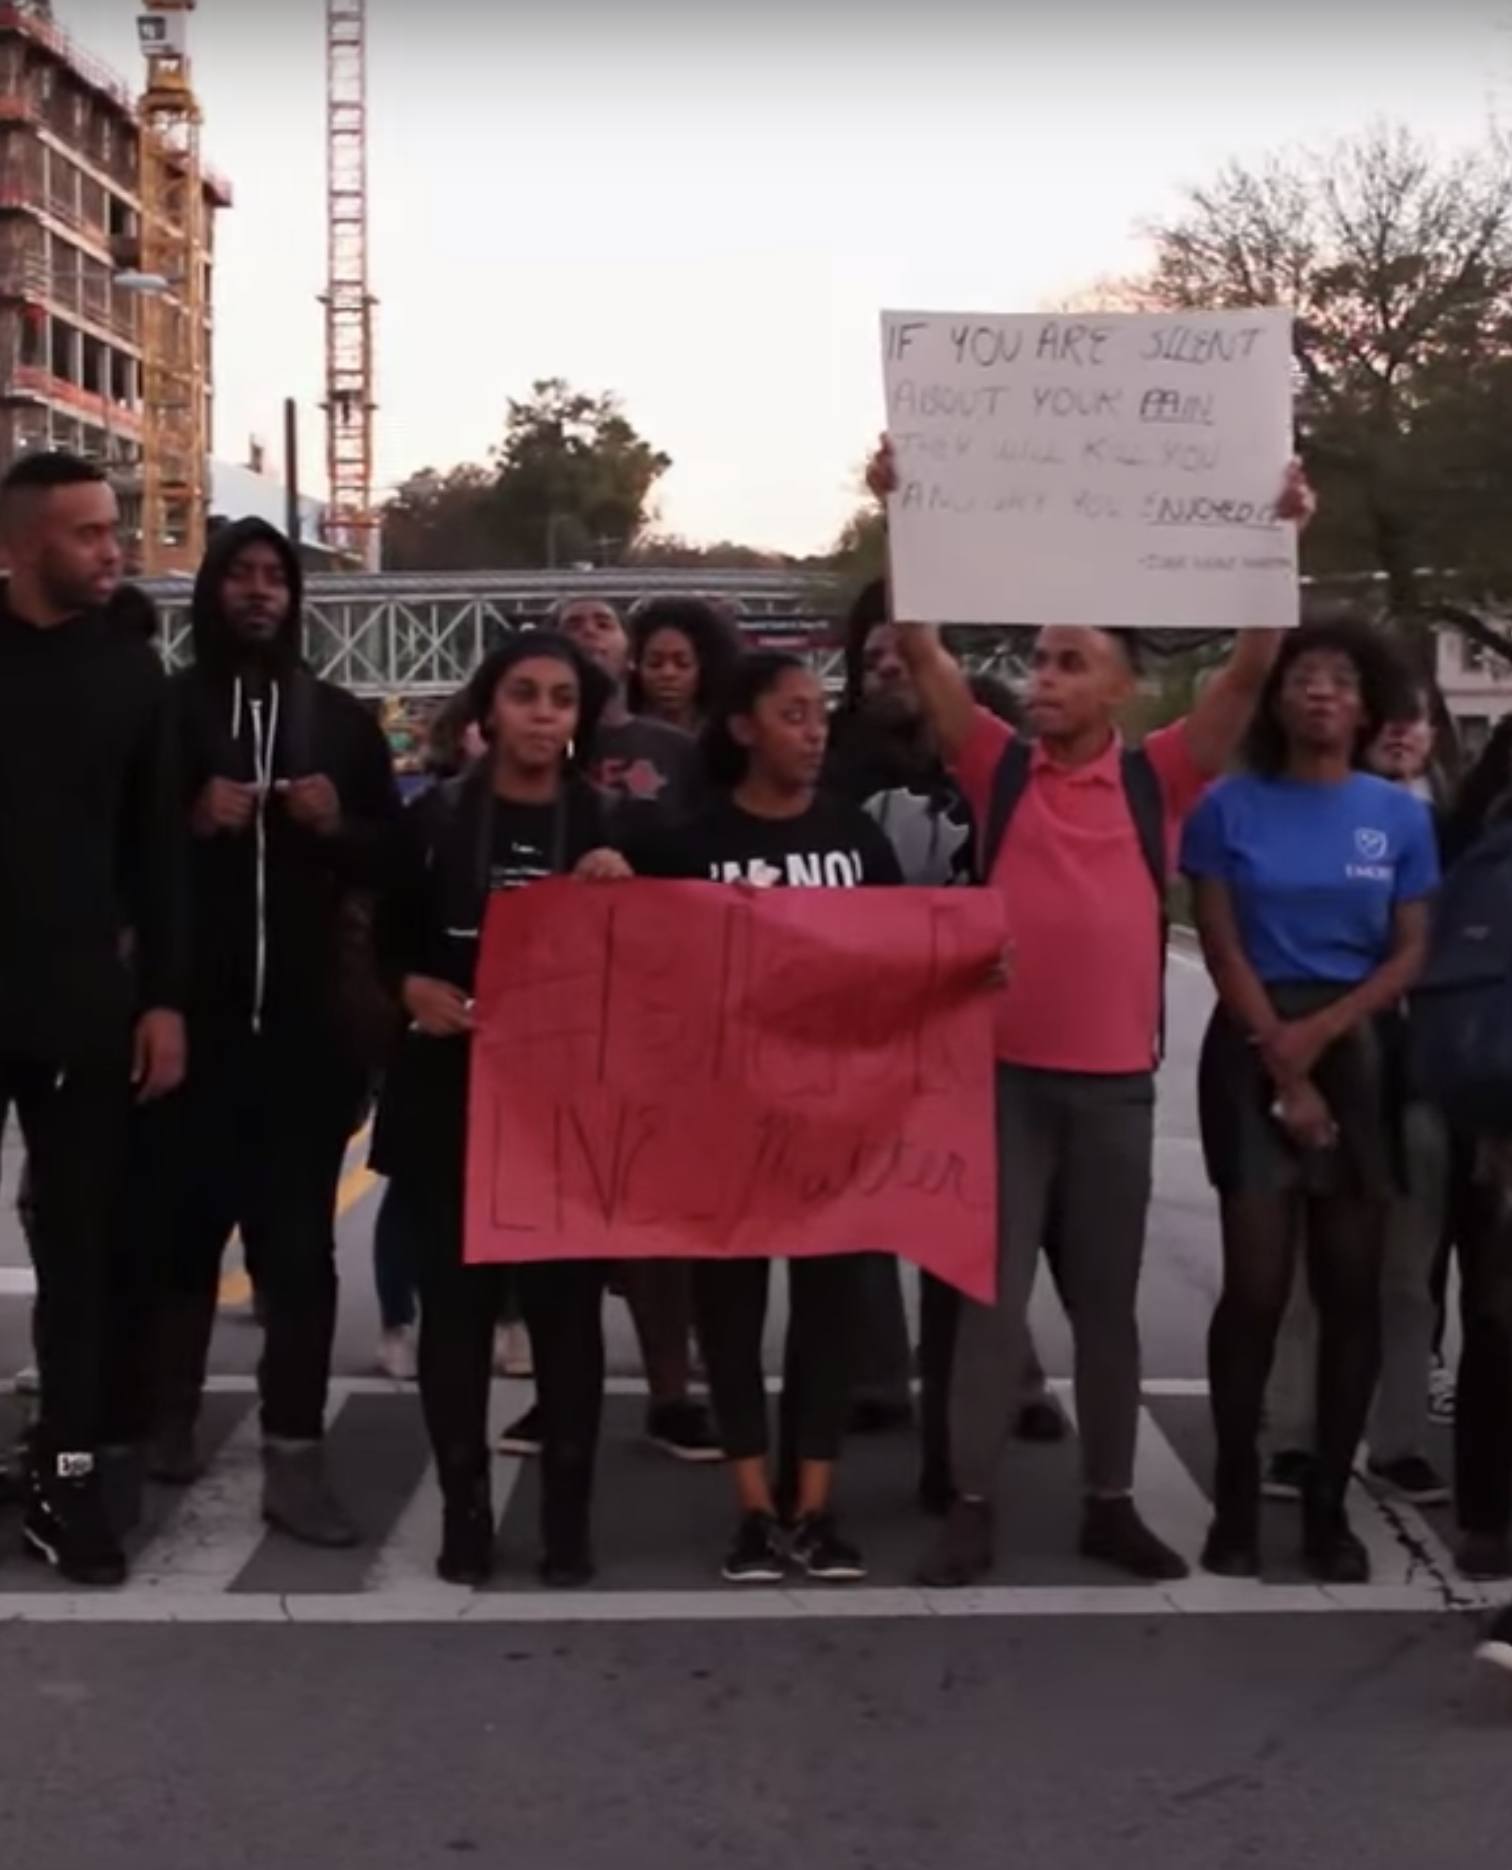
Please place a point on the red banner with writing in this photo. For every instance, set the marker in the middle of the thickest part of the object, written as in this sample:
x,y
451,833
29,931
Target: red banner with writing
x,y
676,1070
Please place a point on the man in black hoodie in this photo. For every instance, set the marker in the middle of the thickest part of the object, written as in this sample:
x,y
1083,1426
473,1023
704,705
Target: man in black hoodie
x,y
91,934
291,802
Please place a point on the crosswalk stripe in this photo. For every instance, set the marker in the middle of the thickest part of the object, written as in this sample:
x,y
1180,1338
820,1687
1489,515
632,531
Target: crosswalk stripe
x,y
211,1536
212,1560
1170,1499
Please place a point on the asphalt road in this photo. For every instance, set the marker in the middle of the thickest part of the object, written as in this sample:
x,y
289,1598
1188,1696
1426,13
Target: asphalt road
x,y
244,1705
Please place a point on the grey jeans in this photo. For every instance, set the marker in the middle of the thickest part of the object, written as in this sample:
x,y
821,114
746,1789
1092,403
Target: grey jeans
x,y
883,1357
1089,1141
1399,1421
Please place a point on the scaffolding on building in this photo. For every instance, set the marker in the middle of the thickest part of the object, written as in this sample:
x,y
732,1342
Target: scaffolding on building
x,y
77,302
351,518
175,348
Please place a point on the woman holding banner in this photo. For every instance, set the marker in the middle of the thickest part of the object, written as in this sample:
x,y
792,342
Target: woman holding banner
x,y
523,812
770,826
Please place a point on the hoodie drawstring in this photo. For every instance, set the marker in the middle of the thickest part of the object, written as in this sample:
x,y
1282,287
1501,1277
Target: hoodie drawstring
x,y
264,741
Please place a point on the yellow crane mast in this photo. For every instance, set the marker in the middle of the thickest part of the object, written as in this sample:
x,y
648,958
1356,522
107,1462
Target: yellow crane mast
x,y
172,250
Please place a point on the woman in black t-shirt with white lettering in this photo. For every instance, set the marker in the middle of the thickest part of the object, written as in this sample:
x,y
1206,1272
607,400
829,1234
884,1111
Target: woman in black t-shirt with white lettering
x,y
768,825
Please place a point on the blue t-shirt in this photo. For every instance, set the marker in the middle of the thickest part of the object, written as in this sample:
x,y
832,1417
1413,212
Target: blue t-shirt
x,y
1314,871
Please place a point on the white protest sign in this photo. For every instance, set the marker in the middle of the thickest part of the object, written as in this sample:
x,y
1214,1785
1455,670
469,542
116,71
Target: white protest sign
x,y
1117,471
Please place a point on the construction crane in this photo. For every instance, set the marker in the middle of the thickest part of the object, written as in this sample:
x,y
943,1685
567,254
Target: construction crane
x,y
351,520
171,255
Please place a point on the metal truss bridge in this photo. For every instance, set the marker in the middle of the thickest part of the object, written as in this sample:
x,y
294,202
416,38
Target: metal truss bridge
x,y
421,634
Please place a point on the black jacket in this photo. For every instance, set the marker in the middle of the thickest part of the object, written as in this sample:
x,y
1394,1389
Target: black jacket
x,y
428,923
91,839
267,903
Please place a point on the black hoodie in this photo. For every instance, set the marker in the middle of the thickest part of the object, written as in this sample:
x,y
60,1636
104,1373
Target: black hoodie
x,y
91,840
267,902
904,787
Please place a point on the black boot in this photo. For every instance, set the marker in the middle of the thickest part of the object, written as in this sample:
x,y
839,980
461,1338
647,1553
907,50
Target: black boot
x,y
468,1534
1332,1553
180,1353
66,1524
566,1540
1232,1547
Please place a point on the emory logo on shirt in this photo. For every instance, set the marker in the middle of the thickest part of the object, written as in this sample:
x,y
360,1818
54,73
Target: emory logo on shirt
x,y
1371,847
835,870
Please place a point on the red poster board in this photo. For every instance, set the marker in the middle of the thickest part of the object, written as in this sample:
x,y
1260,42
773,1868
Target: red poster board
x,y
687,1069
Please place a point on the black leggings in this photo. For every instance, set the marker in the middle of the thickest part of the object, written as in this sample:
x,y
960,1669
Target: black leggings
x,y
1344,1247
562,1302
730,1305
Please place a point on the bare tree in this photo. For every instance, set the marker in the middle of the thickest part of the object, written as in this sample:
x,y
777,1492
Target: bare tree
x,y
1398,265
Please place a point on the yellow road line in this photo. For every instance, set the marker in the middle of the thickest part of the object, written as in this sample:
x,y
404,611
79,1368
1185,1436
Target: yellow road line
x,y
359,1180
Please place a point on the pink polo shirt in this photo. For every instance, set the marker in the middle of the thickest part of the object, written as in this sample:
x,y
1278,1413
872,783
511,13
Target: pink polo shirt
x,y
1080,909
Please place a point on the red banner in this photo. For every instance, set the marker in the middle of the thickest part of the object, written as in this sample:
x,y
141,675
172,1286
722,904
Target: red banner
x,y
676,1070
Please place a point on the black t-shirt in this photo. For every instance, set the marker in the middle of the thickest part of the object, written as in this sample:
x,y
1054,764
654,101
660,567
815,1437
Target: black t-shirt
x,y
526,843
459,846
832,845
649,769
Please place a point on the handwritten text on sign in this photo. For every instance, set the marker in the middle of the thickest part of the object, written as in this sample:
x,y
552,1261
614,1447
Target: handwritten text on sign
x,y
684,1069
1118,471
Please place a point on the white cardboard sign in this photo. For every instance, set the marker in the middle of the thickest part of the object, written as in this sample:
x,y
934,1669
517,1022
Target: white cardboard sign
x,y
1119,471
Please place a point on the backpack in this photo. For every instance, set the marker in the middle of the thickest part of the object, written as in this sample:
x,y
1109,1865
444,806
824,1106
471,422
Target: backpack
x,y
1459,1015
1146,802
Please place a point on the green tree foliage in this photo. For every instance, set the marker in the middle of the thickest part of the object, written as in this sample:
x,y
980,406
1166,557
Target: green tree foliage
x,y
570,482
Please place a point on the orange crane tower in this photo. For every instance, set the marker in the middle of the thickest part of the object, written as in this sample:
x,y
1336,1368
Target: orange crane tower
x,y
175,336
351,523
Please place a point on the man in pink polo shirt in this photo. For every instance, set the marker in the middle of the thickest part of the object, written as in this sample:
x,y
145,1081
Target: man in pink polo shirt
x,y
1077,1042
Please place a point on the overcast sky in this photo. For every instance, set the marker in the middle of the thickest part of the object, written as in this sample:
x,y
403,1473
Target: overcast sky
x,y
704,206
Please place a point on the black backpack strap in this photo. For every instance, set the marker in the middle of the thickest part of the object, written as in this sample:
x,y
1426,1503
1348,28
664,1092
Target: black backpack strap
x,y
1010,781
1146,799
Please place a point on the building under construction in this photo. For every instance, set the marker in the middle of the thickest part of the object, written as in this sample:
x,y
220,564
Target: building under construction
x,y
106,260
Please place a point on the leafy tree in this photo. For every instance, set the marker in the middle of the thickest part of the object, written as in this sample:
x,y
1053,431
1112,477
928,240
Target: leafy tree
x,y
1398,264
574,477
440,522
668,550
571,481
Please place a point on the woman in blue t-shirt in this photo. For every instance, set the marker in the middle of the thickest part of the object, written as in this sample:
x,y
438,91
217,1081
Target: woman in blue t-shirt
x,y
1309,882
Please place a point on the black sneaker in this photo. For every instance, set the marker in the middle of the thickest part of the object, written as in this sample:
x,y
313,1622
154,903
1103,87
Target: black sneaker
x,y
523,1437
1411,1479
1496,1648
684,1431
823,1554
122,1477
755,1556
67,1526
1286,1475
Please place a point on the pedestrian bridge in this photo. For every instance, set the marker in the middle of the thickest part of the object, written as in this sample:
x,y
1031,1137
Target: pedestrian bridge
x,y
422,634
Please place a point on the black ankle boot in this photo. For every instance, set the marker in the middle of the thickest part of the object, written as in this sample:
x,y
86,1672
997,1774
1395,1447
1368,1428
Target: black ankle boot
x,y
1232,1547
468,1534
566,1540
1332,1553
